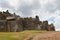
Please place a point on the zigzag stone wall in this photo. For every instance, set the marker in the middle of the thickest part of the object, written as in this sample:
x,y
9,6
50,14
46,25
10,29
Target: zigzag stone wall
x,y
14,23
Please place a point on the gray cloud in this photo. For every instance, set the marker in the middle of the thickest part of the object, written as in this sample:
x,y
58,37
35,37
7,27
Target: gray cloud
x,y
26,9
4,4
36,5
52,7
46,11
58,4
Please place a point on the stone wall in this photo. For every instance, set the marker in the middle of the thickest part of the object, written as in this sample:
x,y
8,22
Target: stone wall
x,y
15,23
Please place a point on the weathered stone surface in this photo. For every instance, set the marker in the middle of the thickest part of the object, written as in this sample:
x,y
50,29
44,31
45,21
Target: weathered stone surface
x,y
14,23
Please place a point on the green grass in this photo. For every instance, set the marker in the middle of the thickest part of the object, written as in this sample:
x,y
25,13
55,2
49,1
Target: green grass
x,y
6,37
18,35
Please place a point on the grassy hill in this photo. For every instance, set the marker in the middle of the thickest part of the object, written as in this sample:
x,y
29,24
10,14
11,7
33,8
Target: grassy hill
x,y
19,35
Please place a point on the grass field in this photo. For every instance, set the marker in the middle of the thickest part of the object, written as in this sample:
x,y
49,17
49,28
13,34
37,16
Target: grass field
x,y
18,35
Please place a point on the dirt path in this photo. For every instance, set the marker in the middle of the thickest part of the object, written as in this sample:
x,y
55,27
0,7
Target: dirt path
x,y
46,36
28,37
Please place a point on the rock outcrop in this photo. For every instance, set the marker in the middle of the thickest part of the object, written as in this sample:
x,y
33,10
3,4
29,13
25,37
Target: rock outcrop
x,y
14,23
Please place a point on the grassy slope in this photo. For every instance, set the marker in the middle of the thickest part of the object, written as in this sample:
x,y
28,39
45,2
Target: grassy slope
x,y
17,35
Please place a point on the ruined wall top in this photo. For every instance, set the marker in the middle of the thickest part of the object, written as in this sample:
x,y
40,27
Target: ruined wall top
x,y
8,16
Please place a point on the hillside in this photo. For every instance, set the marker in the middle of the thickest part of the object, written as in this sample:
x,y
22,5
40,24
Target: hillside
x,y
18,35
30,35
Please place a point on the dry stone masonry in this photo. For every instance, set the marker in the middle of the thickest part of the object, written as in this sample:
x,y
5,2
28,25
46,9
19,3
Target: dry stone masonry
x,y
14,23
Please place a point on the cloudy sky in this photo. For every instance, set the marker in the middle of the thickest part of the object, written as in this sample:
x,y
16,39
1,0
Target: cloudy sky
x,y
45,9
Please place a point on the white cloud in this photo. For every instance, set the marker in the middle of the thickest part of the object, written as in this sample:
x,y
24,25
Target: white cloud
x,y
45,9
43,1
58,29
57,22
13,2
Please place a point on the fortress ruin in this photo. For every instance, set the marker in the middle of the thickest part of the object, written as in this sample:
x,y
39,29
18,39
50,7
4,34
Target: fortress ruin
x,y
14,23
